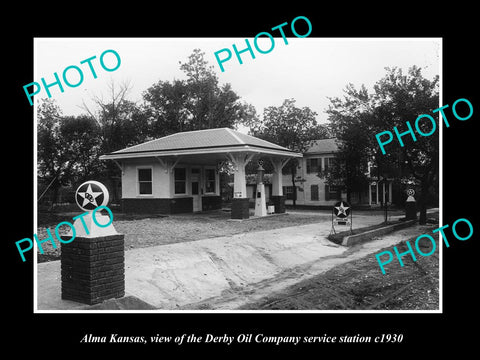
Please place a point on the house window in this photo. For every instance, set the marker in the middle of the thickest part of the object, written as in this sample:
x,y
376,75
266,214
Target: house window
x,y
288,191
210,181
328,163
313,165
332,192
180,181
145,181
373,189
314,192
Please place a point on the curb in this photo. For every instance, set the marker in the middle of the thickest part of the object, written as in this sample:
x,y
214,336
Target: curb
x,y
368,235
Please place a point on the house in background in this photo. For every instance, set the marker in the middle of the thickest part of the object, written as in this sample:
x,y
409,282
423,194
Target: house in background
x,y
313,190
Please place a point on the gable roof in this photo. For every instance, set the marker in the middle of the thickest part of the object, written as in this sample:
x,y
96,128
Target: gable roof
x,y
196,142
323,146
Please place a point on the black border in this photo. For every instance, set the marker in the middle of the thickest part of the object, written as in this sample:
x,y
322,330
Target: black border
x,y
427,333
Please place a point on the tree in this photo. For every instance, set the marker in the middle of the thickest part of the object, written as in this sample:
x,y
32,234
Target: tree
x,y
198,102
349,122
400,98
121,123
68,147
51,160
397,98
81,144
165,108
291,127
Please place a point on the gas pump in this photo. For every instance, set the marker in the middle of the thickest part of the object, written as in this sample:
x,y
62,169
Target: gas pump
x,y
260,202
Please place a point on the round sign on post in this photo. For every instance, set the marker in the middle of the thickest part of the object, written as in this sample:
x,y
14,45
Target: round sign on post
x,y
410,205
91,194
410,195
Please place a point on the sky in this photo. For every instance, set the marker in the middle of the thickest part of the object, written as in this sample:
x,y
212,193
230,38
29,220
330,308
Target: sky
x,y
309,70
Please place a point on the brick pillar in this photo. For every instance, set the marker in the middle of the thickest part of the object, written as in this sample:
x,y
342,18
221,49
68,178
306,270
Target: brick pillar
x,y
411,209
240,208
93,269
277,197
279,203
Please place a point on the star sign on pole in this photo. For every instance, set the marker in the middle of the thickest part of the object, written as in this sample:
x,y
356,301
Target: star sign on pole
x,y
342,210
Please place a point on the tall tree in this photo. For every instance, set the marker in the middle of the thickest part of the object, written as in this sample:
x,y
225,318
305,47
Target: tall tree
x,y
403,97
166,108
67,147
51,160
198,102
291,127
349,123
121,123
396,98
81,144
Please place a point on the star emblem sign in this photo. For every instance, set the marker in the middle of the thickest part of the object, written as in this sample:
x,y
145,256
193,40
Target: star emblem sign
x,y
342,210
89,196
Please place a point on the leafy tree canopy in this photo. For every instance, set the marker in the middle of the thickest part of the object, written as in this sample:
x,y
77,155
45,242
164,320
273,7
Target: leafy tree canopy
x,y
291,127
197,103
356,118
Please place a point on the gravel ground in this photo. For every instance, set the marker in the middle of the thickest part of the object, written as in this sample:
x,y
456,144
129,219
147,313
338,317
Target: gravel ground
x,y
151,231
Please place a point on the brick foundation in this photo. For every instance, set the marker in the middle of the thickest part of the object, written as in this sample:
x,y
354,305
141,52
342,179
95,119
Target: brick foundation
x,y
211,203
158,206
181,205
240,208
93,269
279,203
410,210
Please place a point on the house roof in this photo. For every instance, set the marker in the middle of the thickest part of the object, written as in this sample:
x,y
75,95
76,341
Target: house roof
x,y
323,146
201,142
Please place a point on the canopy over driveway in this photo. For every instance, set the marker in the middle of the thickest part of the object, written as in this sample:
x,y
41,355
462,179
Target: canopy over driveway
x,y
211,147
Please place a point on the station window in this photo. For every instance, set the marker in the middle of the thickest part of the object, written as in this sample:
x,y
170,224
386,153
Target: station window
x,y
145,181
210,181
180,181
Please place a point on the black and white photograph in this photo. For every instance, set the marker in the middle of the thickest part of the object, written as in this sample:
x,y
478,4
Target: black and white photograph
x,y
265,181
238,190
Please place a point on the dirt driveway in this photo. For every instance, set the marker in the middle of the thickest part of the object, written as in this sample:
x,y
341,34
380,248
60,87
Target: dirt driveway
x,y
351,280
359,285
